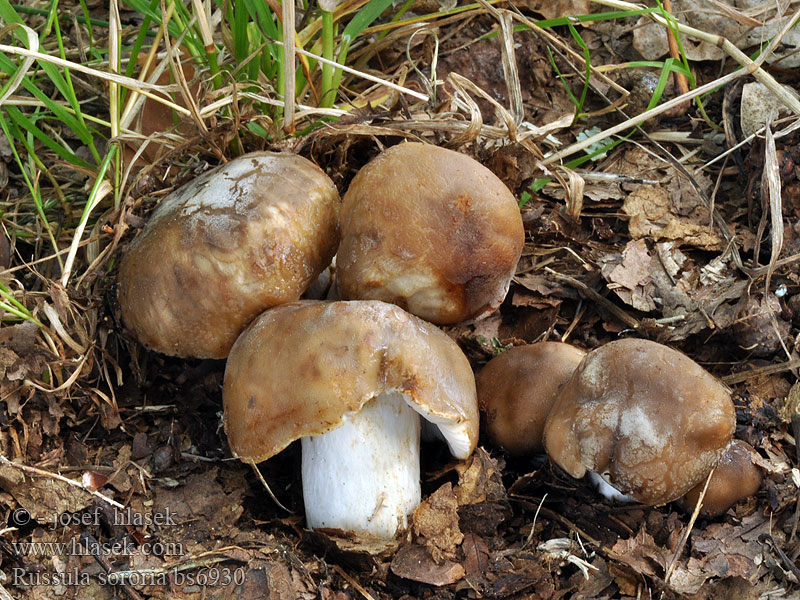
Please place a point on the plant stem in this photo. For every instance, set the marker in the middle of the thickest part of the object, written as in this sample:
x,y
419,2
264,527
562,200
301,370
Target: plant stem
x,y
328,91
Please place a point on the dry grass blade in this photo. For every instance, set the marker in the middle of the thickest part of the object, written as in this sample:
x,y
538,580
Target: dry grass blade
x,y
358,73
146,89
737,378
288,66
135,101
736,15
751,67
266,486
103,190
71,482
688,530
24,67
639,119
510,71
771,194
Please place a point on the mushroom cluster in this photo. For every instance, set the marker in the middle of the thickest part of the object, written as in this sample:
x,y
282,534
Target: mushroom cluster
x,y
218,272
643,420
426,230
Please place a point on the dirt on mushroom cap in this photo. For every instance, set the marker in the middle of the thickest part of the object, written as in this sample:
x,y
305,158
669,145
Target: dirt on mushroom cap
x,y
647,417
301,367
240,238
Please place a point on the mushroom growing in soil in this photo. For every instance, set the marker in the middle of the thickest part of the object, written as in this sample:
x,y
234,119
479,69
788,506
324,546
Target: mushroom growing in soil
x,y
648,419
430,230
735,478
242,237
517,389
351,379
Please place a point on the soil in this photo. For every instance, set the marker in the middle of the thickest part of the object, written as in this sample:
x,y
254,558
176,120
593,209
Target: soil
x,y
647,257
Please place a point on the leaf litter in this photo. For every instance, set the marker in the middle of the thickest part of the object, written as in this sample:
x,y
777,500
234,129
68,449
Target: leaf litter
x,y
646,256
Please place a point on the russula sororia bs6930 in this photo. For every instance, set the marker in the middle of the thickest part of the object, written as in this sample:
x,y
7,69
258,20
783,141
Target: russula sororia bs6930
x,y
240,238
352,380
430,230
517,389
645,417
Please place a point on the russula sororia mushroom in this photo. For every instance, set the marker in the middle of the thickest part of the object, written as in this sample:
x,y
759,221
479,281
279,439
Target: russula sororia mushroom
x,y
517,389
645,417
352,380
735,478
242,237
430,230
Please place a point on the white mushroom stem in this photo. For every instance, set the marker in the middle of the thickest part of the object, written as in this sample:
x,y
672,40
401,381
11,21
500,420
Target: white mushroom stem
x,y
606,489
364,475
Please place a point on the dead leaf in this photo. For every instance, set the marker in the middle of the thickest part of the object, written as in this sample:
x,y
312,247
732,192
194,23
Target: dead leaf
x,y
479,480
414,562
435,520
732,23
43,497
655,216
476,556
550,9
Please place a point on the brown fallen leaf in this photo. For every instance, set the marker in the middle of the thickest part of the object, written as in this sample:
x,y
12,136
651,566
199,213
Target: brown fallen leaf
x,y
655,215
44,498
435,522
414,562
479,480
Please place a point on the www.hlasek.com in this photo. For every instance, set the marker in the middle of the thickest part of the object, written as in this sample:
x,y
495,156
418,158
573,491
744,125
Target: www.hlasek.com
x,y
124,547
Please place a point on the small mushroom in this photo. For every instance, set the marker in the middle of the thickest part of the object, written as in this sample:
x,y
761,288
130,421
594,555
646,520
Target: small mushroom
x,y
242,237
734,479
517,389
648,419
351,379
430,230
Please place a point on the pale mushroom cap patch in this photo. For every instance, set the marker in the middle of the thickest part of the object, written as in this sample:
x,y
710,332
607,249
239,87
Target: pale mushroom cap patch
x,y
430,230
240,238
645,416
300,368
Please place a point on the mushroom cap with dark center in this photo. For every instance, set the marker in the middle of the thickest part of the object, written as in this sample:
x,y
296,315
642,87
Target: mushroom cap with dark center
x,y
735,478
517,389
647,418
300,368
430,230
242,237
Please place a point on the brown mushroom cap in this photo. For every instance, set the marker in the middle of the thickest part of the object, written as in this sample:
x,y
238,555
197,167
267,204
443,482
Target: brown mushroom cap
x,y
240,238
300,368
734,479
430,230
644,416
517,389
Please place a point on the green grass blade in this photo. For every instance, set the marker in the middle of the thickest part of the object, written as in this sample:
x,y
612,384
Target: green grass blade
x,y
365,17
